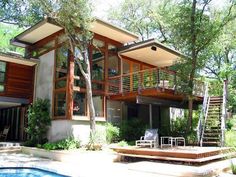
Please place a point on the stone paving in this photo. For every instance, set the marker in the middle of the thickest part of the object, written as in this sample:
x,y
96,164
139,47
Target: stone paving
x,y
98,164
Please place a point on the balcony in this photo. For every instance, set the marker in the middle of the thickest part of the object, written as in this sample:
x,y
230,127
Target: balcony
x,y
154,82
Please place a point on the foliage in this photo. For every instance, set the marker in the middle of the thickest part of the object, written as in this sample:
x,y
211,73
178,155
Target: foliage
x,y
112,133
6,33
20,12
230,123
95,141
122,143
230,138
178,126
132,129
233,168
66,144
38,121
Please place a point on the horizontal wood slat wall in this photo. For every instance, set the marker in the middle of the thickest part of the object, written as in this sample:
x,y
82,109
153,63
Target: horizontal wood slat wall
x,y
19,81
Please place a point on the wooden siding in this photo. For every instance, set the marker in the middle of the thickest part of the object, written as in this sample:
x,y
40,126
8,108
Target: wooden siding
x,y
19,81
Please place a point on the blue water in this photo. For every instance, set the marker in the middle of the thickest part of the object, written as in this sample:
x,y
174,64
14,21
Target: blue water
x,y
27,172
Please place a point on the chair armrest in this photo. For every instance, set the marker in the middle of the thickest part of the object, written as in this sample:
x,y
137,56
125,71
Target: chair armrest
x,y
142,138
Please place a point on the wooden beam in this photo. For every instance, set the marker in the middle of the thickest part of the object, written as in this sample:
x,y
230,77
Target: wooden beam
x,y
162,102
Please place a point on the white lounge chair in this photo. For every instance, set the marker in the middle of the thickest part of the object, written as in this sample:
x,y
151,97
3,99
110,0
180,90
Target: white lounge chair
x,y
3,135
149,139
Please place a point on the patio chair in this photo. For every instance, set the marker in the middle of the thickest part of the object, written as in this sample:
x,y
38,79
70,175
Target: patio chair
x,y
3,135
149,139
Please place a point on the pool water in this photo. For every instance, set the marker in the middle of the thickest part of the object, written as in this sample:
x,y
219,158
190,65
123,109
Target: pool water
x,y
27,172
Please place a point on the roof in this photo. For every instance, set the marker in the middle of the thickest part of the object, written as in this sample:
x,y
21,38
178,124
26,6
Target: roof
x,y
17,59
151,52
47,27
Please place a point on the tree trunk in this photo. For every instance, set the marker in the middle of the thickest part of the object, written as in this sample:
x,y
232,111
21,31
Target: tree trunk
x,y
90,103
193,66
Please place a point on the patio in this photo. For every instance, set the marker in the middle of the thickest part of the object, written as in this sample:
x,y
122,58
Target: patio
x,y
185,154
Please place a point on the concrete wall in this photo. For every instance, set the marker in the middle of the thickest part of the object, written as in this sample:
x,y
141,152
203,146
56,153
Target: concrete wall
x,y
44,84
61,129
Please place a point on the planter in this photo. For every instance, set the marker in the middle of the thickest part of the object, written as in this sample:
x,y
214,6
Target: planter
x,y
52,154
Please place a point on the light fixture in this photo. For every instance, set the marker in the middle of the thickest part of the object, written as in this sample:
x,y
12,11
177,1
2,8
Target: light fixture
x,y
154,48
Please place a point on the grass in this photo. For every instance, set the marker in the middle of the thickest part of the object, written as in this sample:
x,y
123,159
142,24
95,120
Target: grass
x,y
233,168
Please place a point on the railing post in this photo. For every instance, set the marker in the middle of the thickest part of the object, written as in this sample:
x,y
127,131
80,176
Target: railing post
x,y
224,112
158,78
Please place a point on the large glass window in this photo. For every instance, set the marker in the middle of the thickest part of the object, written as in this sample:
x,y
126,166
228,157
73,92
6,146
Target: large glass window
x,y
61,62
60,104
79,104
2,75
98,105
113,65
97,65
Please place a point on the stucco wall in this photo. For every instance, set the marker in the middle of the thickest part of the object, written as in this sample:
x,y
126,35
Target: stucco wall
x,y
61,129
44,86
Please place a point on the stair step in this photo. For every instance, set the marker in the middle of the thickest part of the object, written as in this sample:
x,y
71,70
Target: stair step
x,y
211,138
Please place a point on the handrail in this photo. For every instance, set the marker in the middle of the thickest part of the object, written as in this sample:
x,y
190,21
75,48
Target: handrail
x,y
224,112
204,107
205,118
145,79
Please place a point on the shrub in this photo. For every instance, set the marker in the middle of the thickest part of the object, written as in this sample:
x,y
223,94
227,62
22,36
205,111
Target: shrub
x,y
133,129
66,144
95,141
233,168
112,133
122,143
230,138
38,121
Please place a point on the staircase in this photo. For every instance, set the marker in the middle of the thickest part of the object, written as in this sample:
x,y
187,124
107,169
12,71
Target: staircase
x,y
211,124
212,127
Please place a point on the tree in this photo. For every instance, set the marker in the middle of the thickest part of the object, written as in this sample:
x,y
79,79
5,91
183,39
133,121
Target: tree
x,y
75,17
6,33
195,27
20,12
138,16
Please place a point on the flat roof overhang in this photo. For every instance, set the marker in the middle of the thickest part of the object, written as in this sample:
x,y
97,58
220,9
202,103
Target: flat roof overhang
x,y
151,52
18,60
47,27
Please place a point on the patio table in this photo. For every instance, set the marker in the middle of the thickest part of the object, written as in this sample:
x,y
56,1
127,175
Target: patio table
x,y
171,141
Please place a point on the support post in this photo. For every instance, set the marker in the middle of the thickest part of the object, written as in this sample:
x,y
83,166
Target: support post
x,y
150,115
224,113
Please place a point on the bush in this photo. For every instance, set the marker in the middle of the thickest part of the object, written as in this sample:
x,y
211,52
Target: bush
x,y
38,121
95,141
133,129
112,133
233,168
230,138
122,143
66,144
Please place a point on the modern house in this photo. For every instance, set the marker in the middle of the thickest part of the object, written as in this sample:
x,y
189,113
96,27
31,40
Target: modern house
x,y
129,78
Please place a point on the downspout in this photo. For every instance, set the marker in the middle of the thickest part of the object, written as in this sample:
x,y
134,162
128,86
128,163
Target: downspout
x,y
35,78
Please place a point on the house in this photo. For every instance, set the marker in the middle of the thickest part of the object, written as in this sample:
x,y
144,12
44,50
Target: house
x,y
129,78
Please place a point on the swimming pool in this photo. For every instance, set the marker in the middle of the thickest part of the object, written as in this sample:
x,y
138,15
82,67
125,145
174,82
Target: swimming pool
x,y
27,172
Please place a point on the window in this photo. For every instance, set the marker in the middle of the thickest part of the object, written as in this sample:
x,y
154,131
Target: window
x,y
98,65
113,65
2,75
98,105
60,104
79,104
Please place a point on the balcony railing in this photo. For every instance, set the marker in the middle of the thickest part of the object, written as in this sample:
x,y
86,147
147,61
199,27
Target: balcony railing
x,y
150,78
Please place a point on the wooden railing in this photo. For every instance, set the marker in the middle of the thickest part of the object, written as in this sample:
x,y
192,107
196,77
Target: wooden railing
x,y
147,79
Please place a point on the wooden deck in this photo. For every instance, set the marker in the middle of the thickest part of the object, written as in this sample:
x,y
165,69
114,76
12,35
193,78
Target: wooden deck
x,y
187,154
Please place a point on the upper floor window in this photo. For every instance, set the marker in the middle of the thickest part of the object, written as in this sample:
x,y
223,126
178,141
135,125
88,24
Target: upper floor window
x,y
2,75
